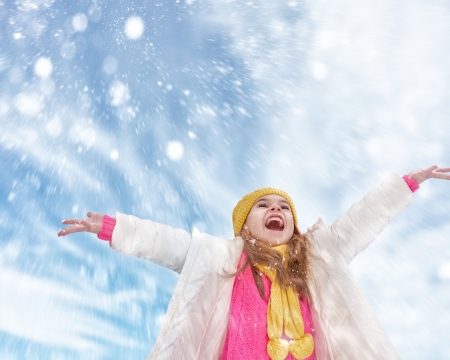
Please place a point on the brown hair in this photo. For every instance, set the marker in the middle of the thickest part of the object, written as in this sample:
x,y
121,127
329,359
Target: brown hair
x,y
296,272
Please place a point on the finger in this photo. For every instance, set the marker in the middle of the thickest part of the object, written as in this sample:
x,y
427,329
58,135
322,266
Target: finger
x,y
87,224
441,176
432,167
71,221
443,170
89,214
93,227
64,232
71,229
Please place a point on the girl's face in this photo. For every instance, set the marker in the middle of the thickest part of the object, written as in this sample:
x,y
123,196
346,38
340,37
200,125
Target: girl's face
x,y
270,220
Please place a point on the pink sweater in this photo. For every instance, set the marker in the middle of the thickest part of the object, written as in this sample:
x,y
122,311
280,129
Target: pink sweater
x,y
247,330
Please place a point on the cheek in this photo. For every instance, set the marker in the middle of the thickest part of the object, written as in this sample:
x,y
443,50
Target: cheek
x,y
254,226
252,219
291,232
249,222
291,227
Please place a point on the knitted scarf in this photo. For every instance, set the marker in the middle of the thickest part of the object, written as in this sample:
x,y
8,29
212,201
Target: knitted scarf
x,y
283,313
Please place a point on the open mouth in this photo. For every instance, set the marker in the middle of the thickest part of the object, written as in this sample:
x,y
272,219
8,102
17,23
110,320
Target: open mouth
x,y
275,223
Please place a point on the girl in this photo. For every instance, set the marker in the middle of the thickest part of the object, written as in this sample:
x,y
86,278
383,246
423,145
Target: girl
x,y
272,292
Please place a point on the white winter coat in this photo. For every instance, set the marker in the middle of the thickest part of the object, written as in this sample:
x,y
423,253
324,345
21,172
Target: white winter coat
x,y
196,322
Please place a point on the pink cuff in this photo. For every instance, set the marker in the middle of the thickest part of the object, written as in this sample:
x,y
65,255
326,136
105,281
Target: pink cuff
x,y
108,225
411,183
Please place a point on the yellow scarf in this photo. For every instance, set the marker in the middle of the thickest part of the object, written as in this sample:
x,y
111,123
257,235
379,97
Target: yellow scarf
x,y
283,312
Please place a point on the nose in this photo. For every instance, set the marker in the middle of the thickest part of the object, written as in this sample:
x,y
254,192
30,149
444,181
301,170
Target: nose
x,y
275,207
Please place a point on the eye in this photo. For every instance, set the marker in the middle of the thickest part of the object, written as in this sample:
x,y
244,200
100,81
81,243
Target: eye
x,y
262,205
285,207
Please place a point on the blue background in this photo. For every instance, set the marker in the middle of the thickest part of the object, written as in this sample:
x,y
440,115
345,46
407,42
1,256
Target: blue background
x,y
214,99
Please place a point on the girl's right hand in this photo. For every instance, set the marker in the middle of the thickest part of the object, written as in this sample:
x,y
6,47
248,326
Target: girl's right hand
x,y
92,224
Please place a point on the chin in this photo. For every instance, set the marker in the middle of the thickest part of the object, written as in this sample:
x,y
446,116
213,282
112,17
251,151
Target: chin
x,y
276,239
276,242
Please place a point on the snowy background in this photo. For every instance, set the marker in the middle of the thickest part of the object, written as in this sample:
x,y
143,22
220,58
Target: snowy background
x,y
173,110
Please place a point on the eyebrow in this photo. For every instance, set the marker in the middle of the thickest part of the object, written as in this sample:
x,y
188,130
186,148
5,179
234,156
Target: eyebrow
x,y
265,199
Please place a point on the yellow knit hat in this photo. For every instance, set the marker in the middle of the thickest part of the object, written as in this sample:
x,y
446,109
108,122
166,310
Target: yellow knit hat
x,y
244,205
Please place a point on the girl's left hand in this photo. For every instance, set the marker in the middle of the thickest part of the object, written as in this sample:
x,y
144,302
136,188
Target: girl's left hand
x,y
434,171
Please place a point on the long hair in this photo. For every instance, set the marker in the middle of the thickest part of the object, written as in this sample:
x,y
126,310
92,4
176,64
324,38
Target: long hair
x,y
295,274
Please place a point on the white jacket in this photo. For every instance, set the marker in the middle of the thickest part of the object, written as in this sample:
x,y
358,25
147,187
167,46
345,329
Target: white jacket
x,y
196,322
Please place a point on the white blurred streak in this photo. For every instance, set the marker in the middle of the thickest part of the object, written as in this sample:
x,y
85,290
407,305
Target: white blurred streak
x,y
119,93
84,132
319,71
4,106
408,270
63,320
15,75
27,141
50,312
33,5
444,271
37,27
114,155
47,87
4,62
68,50
29,104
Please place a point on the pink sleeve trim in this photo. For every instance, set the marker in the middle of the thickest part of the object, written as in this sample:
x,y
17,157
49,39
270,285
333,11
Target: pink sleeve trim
x,y
108,225
411,183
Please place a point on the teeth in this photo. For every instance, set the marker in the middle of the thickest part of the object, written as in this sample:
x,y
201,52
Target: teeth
x,y
275,218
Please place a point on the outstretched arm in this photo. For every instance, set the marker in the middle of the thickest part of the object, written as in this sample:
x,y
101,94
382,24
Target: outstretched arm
x,y
361,224
159,243
156,242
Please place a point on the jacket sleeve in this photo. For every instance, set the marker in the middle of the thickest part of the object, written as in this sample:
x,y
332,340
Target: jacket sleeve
x,y
362,223
146,239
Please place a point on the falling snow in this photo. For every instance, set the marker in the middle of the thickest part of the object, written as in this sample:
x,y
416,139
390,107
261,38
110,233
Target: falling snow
x,y
114,155
175,150
172,111
80,22
119,93
134,27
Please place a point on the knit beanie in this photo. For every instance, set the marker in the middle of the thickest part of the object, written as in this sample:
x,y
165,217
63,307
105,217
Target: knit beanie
x,y
244,205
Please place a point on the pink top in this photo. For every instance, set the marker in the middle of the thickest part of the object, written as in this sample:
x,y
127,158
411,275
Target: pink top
x,y
247,330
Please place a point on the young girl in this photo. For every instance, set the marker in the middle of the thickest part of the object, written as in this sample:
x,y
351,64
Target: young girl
x,y
272,292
